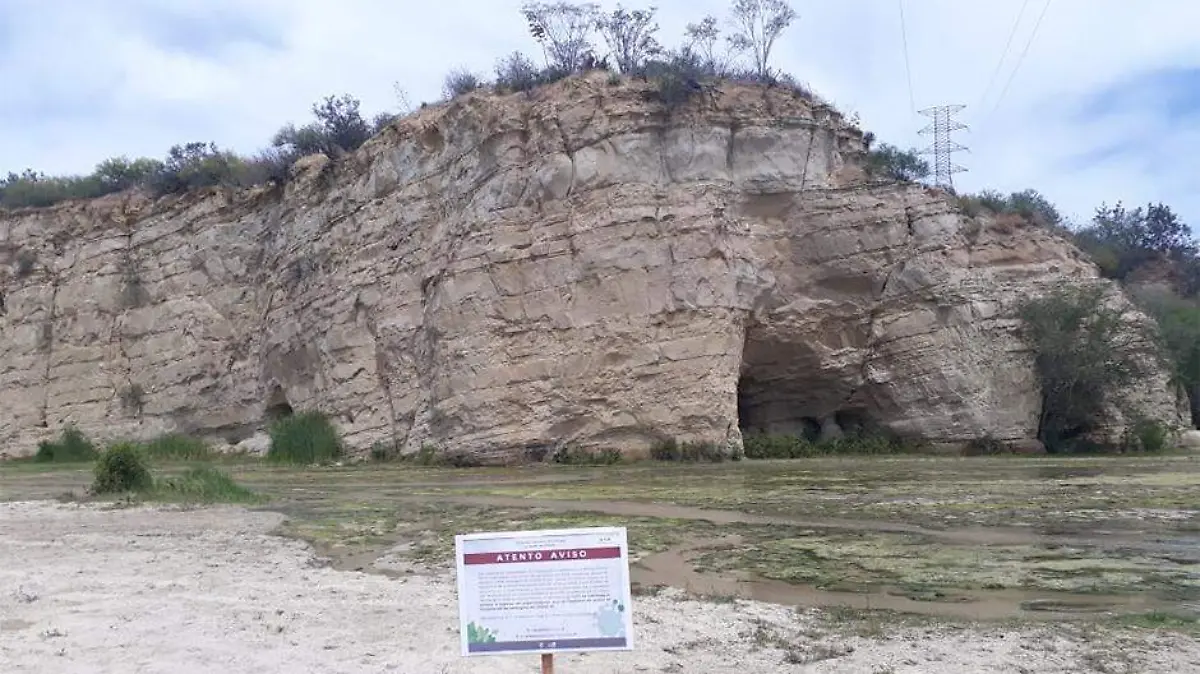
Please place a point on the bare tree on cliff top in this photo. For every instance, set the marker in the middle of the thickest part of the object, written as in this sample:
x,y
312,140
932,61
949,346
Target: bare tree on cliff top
x,y
702,42
630,36
757,25
564,31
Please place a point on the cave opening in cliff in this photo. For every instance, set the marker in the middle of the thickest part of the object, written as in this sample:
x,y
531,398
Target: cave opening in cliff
x,y
277,406
785,388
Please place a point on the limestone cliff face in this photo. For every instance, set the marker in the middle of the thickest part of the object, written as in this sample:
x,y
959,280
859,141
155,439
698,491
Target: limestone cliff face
x,y
504,275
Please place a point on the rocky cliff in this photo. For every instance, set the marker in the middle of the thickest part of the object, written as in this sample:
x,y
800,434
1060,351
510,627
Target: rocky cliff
x,y
504,275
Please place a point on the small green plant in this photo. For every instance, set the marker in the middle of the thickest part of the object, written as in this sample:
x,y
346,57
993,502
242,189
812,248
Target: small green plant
x,y
305,438
204,484
71,447
120,469
178,447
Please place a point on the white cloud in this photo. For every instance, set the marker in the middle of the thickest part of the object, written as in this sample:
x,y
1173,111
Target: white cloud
x,y
99,80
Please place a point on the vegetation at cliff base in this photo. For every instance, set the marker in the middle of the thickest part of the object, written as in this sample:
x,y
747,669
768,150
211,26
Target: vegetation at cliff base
x,y
1086,352
71,447
305,438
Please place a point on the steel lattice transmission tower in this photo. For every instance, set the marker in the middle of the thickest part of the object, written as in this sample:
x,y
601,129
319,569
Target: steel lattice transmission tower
x,y
943,146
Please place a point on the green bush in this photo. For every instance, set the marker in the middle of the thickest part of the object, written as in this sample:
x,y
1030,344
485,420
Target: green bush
x,y
574,456
204,484
72,447
687,452
177,447
1085,354
305,438
1147,435
121,468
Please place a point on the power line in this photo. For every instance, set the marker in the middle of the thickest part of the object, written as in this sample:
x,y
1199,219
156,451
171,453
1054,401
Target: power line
x,y
1011,34
943,147
912,101
1021,58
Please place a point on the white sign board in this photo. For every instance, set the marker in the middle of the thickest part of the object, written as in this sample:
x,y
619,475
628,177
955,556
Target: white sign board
x,y
545,591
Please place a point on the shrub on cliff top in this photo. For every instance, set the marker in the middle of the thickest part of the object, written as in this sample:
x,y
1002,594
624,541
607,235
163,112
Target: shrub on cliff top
x,y
305,438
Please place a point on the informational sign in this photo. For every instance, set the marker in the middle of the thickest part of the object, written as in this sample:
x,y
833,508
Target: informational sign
x,y
548,591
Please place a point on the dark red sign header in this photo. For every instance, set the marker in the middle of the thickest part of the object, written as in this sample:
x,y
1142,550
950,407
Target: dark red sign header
x,y
526,556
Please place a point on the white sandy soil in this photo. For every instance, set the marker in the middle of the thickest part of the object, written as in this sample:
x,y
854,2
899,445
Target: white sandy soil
x,y
84,589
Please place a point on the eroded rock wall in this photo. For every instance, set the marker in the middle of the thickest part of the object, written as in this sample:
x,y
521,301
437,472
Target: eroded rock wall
x,y
504,275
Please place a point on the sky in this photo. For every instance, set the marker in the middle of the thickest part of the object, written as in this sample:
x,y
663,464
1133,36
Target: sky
x,y
1104,106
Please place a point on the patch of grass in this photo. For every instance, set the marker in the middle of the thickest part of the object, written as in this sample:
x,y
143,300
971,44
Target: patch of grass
x,y
768,446
72,447
1160,620
120,469
178,447
672,450
306,438
574,456
204,484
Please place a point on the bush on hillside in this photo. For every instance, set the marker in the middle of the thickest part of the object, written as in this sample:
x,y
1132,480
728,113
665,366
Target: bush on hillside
x,y
120,469
71,447
305,438
892,163
459,82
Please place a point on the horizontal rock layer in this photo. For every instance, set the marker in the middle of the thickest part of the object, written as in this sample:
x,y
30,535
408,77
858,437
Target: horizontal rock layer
x,y
507,275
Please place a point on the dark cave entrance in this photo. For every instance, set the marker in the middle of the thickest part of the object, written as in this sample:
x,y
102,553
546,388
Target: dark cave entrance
x,y
786,388
277,406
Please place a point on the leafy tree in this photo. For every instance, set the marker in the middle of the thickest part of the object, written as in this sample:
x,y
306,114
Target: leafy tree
x,y
757,25
1084,350
119,173
342,122
630,36
194,165
1123,240
895,164
564,31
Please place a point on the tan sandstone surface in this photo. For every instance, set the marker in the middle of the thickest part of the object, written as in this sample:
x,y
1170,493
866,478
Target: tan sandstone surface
x,y
91,590
508,274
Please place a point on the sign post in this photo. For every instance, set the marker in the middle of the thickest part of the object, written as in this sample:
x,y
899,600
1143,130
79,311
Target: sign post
x,y
549,591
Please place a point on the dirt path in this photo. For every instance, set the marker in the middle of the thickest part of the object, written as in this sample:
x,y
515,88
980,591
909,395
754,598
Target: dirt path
x,y
83,589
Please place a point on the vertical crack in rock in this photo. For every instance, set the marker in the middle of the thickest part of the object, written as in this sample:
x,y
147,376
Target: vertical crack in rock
x,y
562,132
383,370
880,300
812,138
47,342
132,295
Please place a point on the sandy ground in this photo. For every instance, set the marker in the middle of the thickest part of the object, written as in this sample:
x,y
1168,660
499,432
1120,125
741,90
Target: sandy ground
x,y
86,589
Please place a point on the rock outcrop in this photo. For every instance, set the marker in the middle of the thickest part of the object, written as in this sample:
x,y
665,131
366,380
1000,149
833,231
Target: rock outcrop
x,y
509,274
